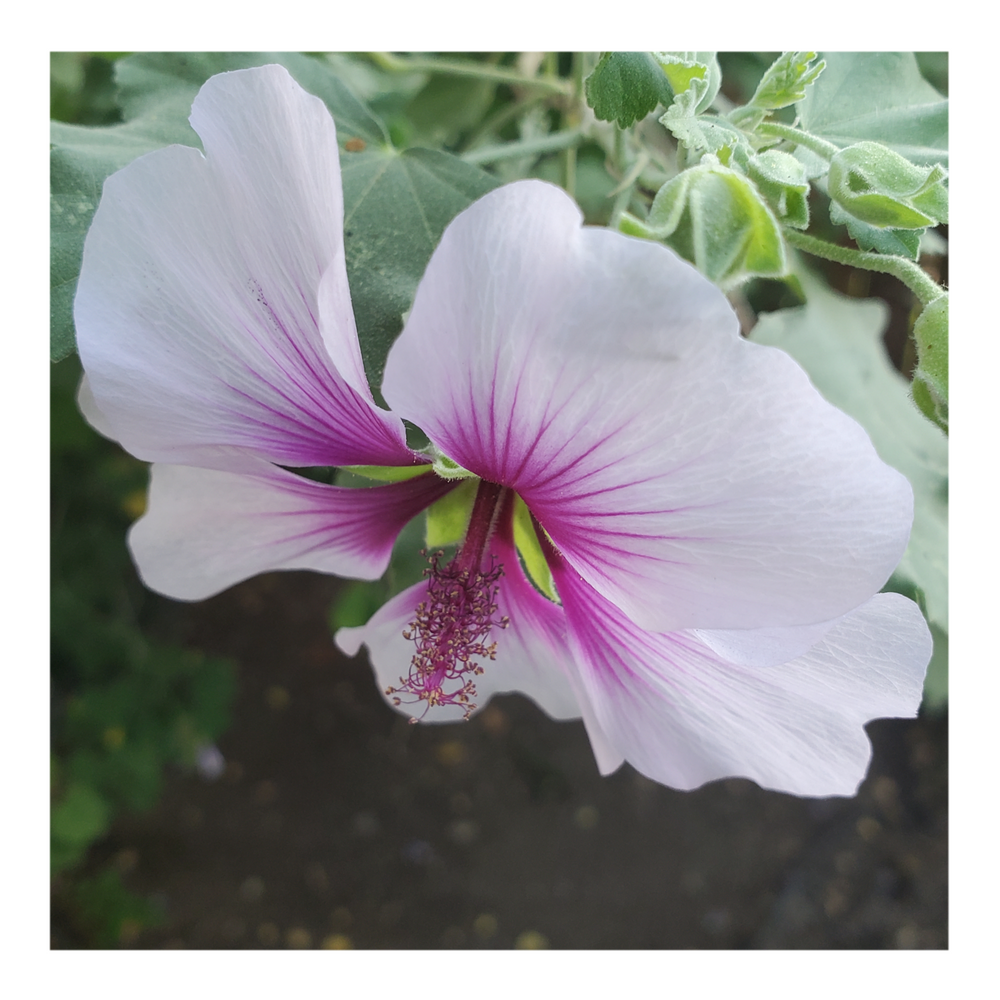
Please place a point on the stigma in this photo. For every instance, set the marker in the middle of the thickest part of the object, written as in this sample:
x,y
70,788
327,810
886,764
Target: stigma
x,y
452,626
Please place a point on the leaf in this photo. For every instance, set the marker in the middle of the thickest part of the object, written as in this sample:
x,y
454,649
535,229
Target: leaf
x,y
878,96
837,340
396,206
626,86
786,80
903,242
78,818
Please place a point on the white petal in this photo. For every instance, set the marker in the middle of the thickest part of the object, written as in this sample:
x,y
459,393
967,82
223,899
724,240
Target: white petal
x,y
91,411
206,530
694,479
682,715
197,305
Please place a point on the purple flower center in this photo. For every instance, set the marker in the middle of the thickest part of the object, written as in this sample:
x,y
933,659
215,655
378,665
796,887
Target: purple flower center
x,y
452,625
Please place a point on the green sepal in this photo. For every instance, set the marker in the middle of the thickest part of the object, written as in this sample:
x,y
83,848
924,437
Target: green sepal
x,y
526,540
901,242
930,379
782,180
878,186
626,86
448,518
715,218
387,473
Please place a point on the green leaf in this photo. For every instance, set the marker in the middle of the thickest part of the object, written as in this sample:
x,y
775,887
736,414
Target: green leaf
x,y
700,134
396,206
625,86
837,340
878,96
78,818
786,79
902,242
881,188
715,218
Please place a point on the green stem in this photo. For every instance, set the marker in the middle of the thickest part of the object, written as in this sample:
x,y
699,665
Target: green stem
x,y
914,277
813,142
480,71
527,147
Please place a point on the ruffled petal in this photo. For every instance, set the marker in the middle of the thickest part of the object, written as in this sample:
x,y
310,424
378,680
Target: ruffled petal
x,y
694,479
197,305
531,656
683,715
205,530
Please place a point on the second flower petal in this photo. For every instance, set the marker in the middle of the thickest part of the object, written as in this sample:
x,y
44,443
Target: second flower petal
x,y
206,530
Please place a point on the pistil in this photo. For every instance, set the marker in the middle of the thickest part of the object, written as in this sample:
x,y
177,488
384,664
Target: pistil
x,y
452,625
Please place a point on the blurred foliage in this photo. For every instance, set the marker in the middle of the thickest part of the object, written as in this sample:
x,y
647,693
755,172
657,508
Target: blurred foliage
x,y
124,707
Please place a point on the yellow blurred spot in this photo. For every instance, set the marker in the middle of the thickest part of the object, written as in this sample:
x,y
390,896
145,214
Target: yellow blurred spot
x,y
268,934
338,942
298,937
129,931
868,827
586,817
451,753
113,737
134,504
485,925
494,721
277,698
531,941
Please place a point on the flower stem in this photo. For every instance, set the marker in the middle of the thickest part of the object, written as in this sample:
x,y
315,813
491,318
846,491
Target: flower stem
x,y
455,67
812,142
527,147
913,276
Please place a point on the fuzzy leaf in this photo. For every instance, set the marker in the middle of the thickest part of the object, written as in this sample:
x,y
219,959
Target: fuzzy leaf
x,y
625,86
878,96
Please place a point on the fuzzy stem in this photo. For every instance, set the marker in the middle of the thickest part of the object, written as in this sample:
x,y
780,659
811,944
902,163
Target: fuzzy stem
x,y
526,147
913,276
449,67
812,142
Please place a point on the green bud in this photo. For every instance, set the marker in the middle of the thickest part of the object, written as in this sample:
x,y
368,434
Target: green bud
x,y
930,379
782,180
880,187
686,69
715,218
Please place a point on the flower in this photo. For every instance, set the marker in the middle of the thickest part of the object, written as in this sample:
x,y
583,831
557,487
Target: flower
x,y
669,532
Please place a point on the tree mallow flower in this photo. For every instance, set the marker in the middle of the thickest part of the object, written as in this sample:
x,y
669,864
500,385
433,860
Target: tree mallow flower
x,y
669,533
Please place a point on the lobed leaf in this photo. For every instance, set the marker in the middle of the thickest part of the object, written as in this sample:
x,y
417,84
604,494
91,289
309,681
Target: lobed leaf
x,y
626,86
878,96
